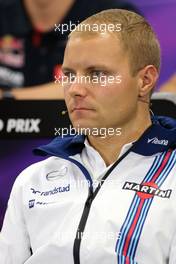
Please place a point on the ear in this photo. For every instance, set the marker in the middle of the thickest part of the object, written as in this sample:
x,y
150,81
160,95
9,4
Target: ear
x,y
148,77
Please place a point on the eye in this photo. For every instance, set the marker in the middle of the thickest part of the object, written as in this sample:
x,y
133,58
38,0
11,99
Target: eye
x,y
97,73
70,76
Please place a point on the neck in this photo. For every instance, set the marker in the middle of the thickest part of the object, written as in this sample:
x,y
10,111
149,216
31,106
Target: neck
x,y
44,14
109,147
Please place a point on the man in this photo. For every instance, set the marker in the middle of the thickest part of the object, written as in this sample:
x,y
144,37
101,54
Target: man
x,y
32,43
101,198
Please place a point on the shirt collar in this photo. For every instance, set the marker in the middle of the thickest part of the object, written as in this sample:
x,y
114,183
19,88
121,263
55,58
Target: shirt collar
x,y
157,138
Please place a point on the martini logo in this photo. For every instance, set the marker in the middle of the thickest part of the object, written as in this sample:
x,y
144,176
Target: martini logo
x,y
147,190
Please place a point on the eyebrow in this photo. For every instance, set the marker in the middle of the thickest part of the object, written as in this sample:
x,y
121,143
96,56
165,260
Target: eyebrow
x,y
91,67
66,69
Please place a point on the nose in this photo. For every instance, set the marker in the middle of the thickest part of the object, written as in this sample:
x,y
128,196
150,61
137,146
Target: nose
x,y
78,87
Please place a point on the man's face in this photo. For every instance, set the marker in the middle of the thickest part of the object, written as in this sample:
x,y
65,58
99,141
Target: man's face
x,y
92,105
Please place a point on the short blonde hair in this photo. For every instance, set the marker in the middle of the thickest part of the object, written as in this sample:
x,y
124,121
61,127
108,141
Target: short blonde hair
x,y
136,35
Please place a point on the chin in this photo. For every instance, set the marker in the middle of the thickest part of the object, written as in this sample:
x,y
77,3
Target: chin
x,y
82,124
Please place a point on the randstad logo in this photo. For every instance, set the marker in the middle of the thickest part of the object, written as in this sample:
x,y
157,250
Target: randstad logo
x,y
53,191
156,141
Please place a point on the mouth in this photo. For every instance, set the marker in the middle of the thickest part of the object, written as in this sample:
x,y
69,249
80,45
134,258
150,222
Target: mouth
x,y
75,109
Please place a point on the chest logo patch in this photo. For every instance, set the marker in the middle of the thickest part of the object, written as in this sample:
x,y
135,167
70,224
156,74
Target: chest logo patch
x,y
147,190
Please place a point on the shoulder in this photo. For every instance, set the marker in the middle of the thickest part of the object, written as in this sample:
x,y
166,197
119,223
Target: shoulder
x,y
85,8
13,19
37,172
104,4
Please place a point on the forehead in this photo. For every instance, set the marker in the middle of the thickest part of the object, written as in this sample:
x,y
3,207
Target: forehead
x,y
99,48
